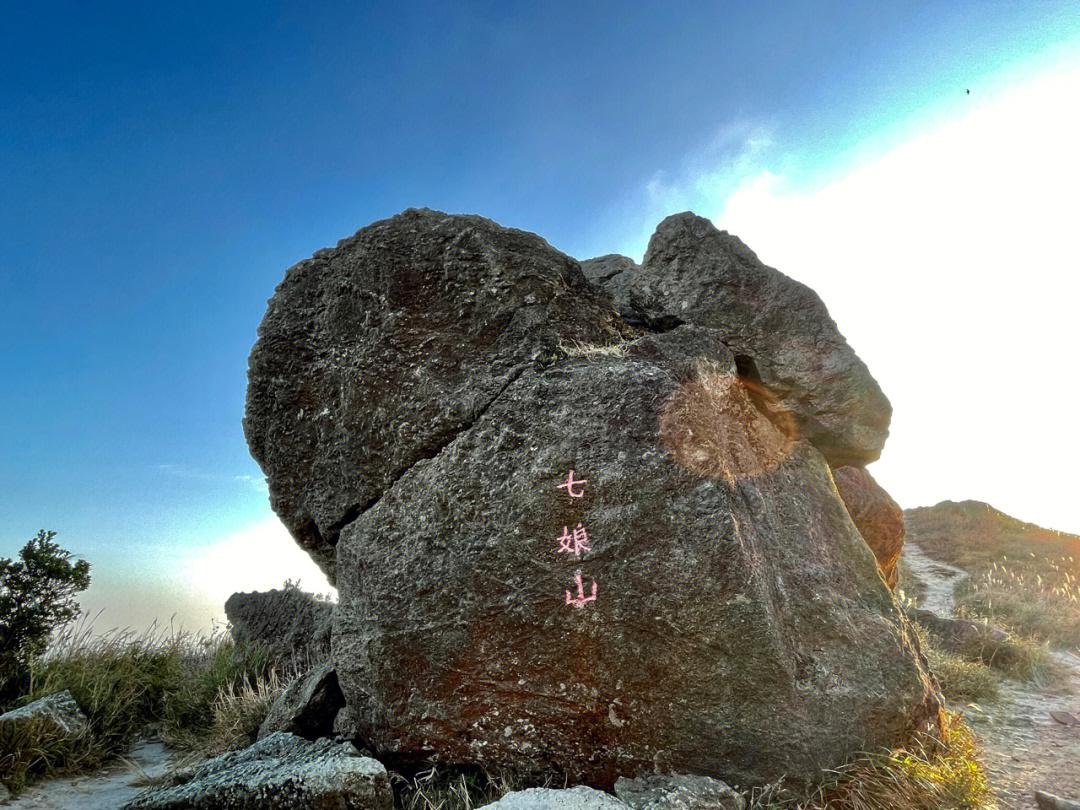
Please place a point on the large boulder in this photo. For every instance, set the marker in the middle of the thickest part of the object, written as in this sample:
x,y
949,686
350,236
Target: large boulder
x,y
621,556
879,518
281,771
375,355
739,626
779,330
292,625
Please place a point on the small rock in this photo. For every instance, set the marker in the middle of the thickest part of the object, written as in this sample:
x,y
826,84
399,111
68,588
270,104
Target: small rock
x,y
577,798
57,713
1048,801
1065,718
308,705
678,792
281,771
5,794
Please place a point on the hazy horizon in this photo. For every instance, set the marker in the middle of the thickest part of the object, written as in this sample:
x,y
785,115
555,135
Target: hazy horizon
x,y
915,165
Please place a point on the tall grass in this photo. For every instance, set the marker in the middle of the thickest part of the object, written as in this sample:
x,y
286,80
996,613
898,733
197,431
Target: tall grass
x,y
927,775
1034,597
204,693
961,677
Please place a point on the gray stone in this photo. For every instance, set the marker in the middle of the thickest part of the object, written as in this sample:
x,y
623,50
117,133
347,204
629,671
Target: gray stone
x,y
374,355
56,715
603,269
307,706
281,771
576,798
779,330
416,397
5,794
1048,801
678,792
292,625
740,629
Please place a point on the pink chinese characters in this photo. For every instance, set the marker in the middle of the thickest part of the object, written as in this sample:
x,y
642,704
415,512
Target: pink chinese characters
x,y
568,485
581,598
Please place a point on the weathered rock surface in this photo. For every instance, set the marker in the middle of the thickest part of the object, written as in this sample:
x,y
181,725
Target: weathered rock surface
x,y
779,330
678,792
374,355
415,406
740,628
55,716
576,798
307,707
281,771
879,518
602,269
294,626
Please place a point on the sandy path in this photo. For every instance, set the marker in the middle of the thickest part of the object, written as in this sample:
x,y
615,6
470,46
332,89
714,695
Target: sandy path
x,y
106,789
1024,748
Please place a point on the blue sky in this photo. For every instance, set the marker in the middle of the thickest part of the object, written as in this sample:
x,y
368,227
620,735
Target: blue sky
x,y
162,166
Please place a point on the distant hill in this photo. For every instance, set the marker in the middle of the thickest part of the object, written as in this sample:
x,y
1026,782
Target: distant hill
x,y
971,533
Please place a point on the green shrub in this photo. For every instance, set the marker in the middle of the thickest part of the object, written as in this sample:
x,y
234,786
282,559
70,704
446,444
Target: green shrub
x,y
37,596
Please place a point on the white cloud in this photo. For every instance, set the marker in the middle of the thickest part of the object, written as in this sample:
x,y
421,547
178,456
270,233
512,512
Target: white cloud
x,y
702,182
256,483
951,263
187,587
256,558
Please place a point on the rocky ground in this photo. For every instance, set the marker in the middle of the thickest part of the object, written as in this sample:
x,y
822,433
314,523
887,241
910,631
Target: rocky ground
x,y
1024,748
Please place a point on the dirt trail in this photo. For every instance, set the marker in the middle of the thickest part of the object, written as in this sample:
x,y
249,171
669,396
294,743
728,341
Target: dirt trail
x,y
107,789
1024,748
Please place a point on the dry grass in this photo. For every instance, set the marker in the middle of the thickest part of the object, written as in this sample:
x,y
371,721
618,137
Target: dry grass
x,y
202,692
961,678
1032,596
576,348
1024,578
926,776
447,788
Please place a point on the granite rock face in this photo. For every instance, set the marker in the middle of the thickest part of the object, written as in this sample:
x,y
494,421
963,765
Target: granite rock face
x,y
779,330
293,625
373,356
281,771
678,792
879,518
577,547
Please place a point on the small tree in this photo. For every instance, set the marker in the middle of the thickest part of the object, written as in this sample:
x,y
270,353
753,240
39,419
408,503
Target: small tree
x,y
37,595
